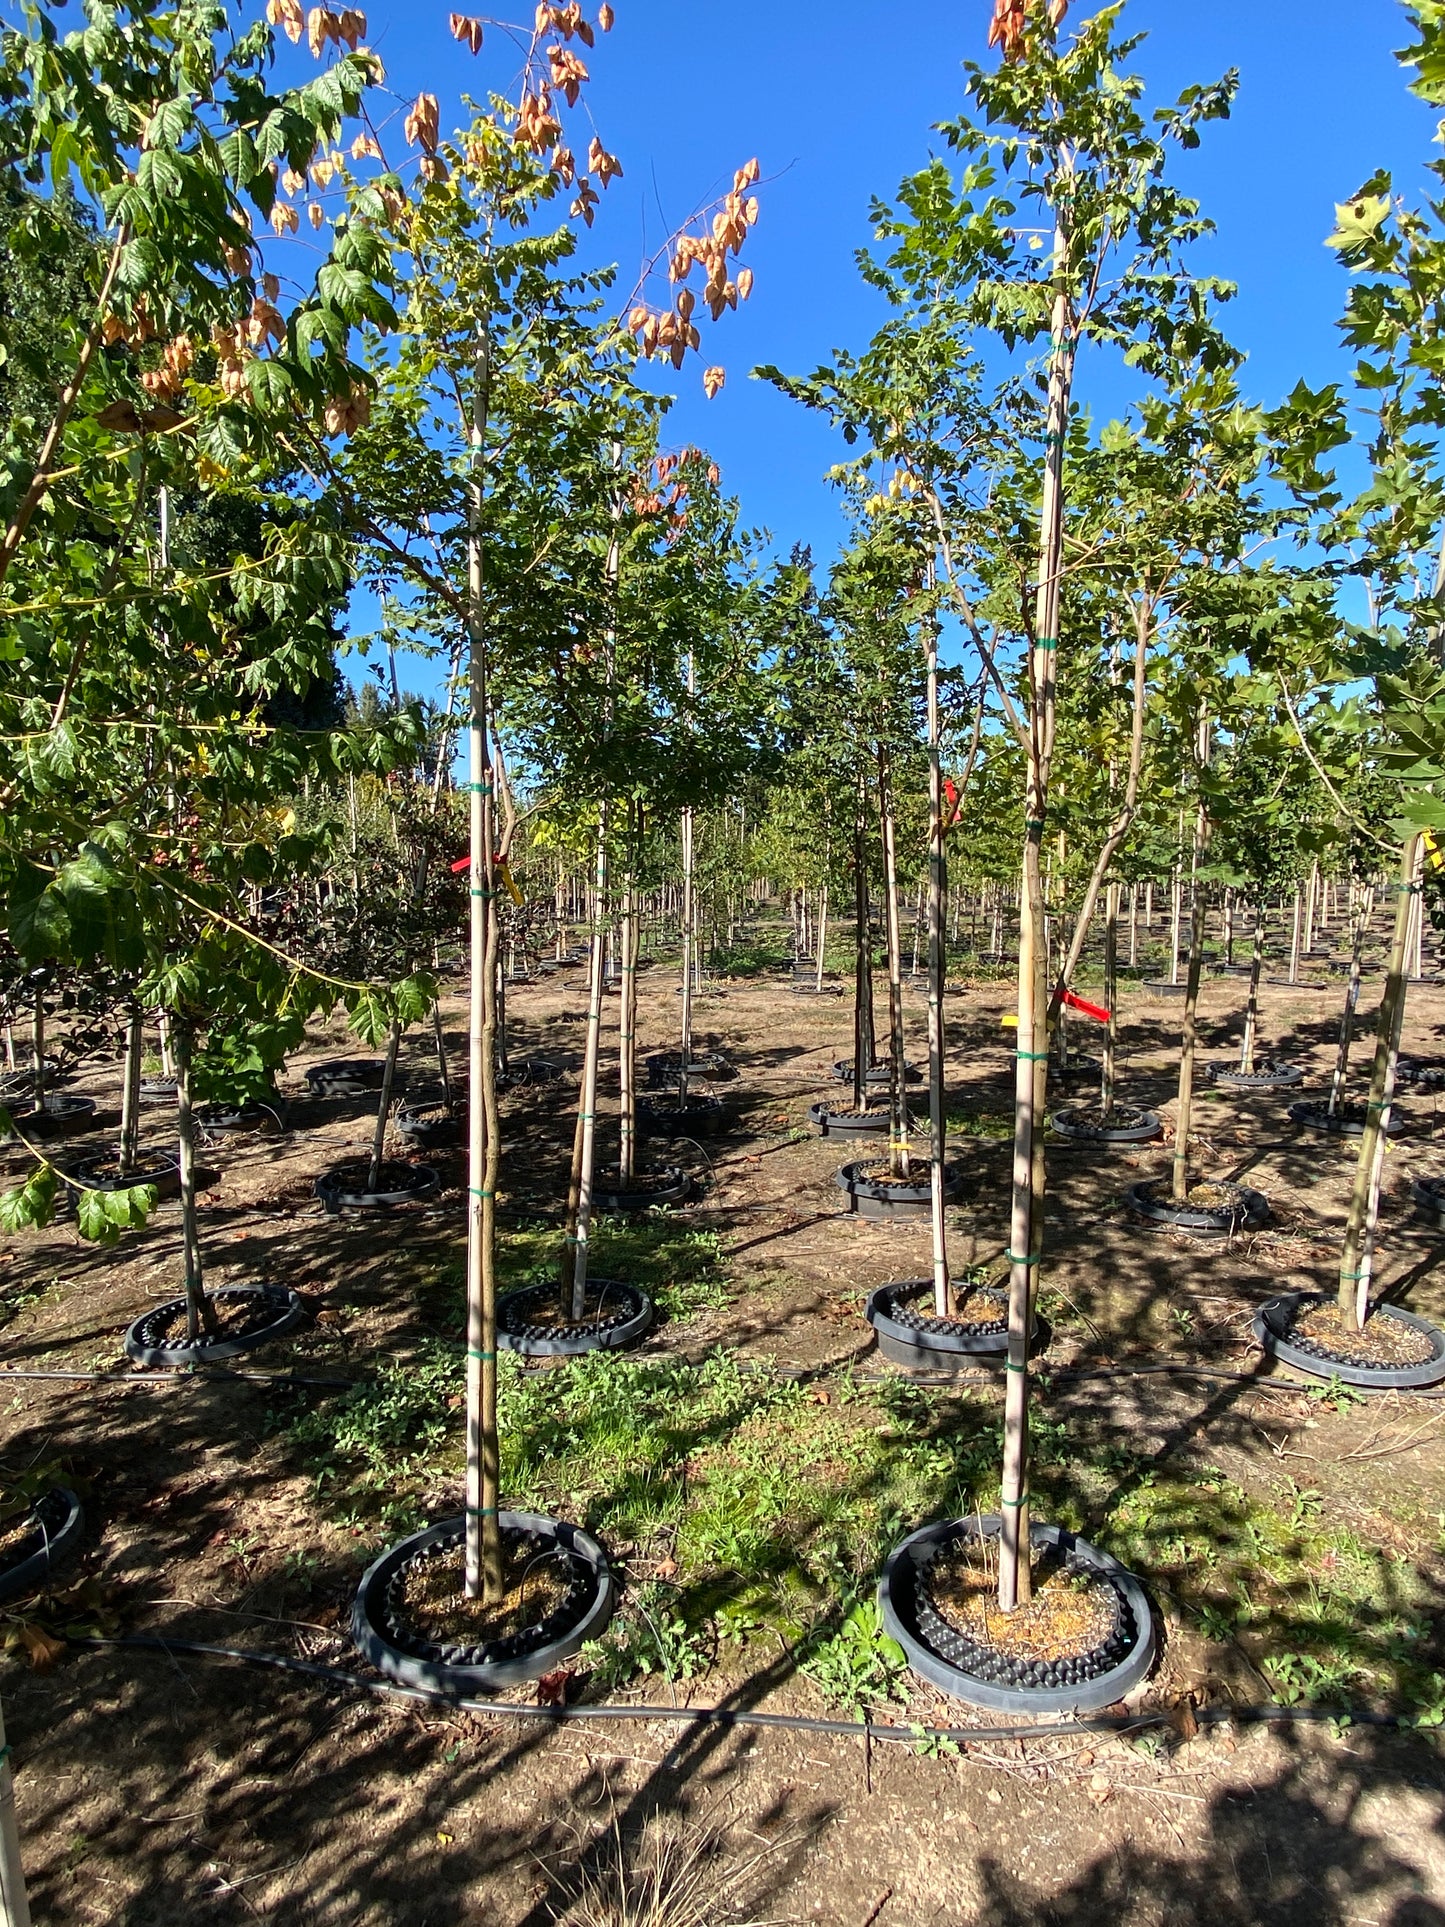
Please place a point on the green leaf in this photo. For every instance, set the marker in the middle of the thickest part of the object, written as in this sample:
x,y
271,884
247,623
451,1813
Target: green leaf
x,y
32,1204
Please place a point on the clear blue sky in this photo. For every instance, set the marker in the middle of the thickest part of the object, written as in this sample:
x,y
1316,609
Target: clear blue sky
x,y
839,102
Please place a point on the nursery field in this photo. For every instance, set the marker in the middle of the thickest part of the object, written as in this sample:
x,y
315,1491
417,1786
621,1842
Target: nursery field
x,y
748,1467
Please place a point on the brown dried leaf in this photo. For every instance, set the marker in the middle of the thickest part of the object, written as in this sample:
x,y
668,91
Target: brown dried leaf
x,y
41,1648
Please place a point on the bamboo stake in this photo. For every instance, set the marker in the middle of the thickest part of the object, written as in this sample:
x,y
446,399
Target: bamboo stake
x,y
1294,947
822,939
584,1143
1111,1000
1251,1009
200,1313
627,1026
863,1036
130,1089
1179,1187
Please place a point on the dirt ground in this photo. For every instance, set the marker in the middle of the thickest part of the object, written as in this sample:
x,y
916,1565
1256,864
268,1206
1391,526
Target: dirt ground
x,y
158,1790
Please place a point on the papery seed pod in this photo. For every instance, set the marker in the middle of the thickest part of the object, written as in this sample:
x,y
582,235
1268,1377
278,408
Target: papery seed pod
x,y
685,303
751,211
467,29
679,353
542,19
292,181
694,339
364,147
351,27
317,214
713,382
287,14
432,169
1057,10
714,474
649,336
751,173
745,282
284,218
605,17
422,122
638,320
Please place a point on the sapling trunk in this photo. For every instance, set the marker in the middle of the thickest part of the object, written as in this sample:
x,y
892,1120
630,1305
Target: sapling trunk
x,y
1133,925
130,1089
822,938
1357,1255
1174,937
1179,1186
943,1293
483,1554
1251,1009
200,1313
689,950
37,1043
1111,1001
383,1109
1229,926
918,928
1352,1001
14,1907
1312,906
863,1037
584,1142
444,1069
1294,942
1026,1224
627,1023
899,1163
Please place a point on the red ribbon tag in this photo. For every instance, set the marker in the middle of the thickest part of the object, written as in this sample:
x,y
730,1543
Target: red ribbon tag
x,y
1099,1015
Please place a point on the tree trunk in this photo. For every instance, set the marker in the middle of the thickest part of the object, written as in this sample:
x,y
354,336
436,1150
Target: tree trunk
x,y
14,1907
822,940
863,1034
130,1089
1111,1001
584,1141
1357,1257
1352,1001
899,1164
943,1293
1294,945
483,1562
1251,1011
383,1109
627,1028
200,1313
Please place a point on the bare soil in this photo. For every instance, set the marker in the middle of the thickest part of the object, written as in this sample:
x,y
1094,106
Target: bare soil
x,y
159,1790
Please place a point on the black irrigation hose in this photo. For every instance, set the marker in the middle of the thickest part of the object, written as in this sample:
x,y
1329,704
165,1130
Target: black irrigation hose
x,y
163,1374
727,1716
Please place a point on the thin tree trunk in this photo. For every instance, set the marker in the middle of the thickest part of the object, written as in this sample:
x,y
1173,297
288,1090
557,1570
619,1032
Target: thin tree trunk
x,y
1294,946
1174,937
1251,1009
863,1033
899,1164
483,1561
200,1313
383,1109
1356,1259
627,1027
943,1293
130,1089
1111,1001
1352,1002
1179,1190
37,1045
1026,1232
584,1142
822,940
14,1907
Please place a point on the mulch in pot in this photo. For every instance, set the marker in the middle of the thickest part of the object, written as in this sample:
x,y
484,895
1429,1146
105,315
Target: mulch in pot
x,y
1387,1343
1074,1614
428,1598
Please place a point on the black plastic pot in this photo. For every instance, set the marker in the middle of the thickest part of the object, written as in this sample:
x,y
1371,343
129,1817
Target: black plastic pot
x,y
60,1116
670,1185
1247,1211
1158,987
878,1078
345,1186
911,1336
624,1314
834,1122
1129,1125
1077,1069
703,1115
1272,1329
1304,983
402,1654
158,1090
1428,1195
159,1169
346,1077
278,1312
952,1663
428,1126
1420,1073
1349,1120
883,1203
807,987
664,1068
1269,1077
242,1120
55,1527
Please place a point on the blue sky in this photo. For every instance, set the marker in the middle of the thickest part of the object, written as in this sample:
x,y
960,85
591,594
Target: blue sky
x,y
838,103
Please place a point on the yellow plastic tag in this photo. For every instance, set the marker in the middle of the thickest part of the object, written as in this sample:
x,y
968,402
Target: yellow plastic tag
x,y
1010,1023
512,891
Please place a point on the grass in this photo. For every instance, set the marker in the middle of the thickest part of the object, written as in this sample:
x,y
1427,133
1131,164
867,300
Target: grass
x,y
751,1512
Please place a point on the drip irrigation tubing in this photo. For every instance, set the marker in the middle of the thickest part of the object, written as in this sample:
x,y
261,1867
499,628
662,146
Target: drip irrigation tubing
x,y
728,1716
165,1374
